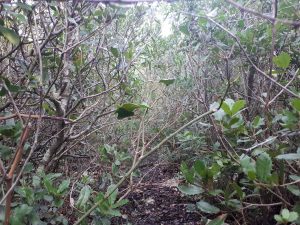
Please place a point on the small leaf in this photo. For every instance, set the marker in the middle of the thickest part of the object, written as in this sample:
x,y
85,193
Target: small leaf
x,y
190,189
126,110
63,186
296,104
278,218
294,189
10,35
184,29
257,122
200,168
294,177
167,82
293,216
285,213
114,51
113,195
83,196
289,156
216,221
263,167
226,108
207,207
187,173
120,203
237,106
282,60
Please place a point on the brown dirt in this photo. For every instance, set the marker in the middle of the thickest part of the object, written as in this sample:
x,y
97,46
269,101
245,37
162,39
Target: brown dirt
x,y
156,200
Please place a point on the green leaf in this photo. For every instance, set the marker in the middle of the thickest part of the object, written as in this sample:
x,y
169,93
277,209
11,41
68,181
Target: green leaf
x,y
114,51
120,203
289,156
248,167
63,186
296,104
126,110
226,108
285,213
257,122
294,177
207,208
237,106
200,168
282,60
83,196
10,35
216,221
113,196
184,29
187,173
294,189
263,167
190,189
293,216
167,82
20,213
278,218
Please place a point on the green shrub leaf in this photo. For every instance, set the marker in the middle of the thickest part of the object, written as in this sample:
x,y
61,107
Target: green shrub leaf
x,y
167,82
282,60
10,35
237,106
207,207
190,189
289,156
263,167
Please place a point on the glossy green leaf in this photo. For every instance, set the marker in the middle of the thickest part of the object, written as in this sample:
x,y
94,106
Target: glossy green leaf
x,y
248,167
285,213
263,167
167,82
207,207
278,218
282,60
237,106
289,156
294,189
83,196
190,189
10,35
293,216
226,108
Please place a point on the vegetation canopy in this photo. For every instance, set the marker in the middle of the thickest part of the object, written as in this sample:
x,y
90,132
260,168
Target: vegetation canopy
x,y
150,112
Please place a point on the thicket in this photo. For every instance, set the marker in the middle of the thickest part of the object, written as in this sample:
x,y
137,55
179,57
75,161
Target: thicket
x,y
90,90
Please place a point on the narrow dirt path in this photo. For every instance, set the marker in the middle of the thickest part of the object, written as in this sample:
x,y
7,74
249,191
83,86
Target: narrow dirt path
x,y
156,200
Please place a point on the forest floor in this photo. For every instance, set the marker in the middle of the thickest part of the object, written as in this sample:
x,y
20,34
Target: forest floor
x,y
155,199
